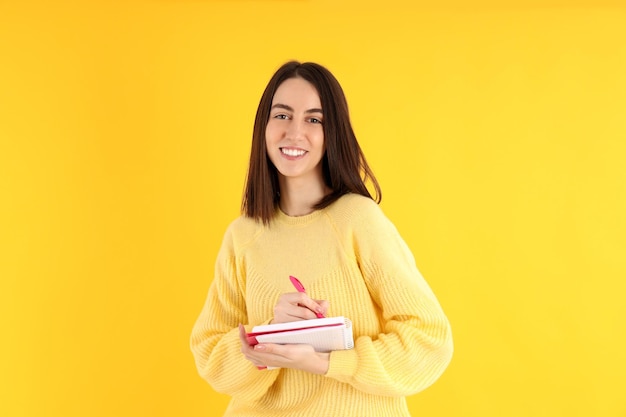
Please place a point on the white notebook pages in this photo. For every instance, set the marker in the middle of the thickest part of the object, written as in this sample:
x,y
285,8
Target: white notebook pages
x,y
325,334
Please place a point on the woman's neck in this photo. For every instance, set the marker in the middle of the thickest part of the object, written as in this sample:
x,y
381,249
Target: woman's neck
x,y
297,198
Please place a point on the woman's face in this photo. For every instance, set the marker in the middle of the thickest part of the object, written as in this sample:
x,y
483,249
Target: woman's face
x,y
294,135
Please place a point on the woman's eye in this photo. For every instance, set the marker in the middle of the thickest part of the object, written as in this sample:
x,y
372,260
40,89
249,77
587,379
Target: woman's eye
x,y
314,120
280,116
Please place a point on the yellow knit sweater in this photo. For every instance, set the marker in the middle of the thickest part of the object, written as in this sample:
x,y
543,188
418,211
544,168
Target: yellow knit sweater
x,y
351,255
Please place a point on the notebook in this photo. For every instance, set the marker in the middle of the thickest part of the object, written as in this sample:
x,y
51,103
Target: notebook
x,y
325,334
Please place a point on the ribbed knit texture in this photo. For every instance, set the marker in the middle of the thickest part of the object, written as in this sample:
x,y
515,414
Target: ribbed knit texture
x,y
351,255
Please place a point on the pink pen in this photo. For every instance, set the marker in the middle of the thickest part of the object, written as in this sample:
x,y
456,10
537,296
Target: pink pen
x,y
296,283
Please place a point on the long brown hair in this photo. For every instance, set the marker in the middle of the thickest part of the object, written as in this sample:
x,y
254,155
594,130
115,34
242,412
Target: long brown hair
x,y
344,167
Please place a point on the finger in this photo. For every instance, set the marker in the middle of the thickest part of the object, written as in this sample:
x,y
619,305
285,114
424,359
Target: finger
x,y
324,304
285,356
288,308
304,300
242,334
247,350
245,345
287,312
269,351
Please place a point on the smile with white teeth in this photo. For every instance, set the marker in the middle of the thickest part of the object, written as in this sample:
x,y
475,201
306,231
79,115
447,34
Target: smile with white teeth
x,y
293,152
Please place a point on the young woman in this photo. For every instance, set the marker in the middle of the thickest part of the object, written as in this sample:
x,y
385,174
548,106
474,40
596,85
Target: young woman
x,y
308,213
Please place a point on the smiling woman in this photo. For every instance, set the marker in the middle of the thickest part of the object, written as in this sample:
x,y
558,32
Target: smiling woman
x,y
307,212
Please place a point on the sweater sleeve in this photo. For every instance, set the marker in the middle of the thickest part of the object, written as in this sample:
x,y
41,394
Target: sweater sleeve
x,y
215,341
415,345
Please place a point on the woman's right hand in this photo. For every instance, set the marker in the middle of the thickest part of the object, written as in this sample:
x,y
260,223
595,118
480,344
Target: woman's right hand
x,y
294,306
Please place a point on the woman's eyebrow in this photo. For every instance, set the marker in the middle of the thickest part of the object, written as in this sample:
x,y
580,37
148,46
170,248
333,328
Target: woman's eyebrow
x,y
289,108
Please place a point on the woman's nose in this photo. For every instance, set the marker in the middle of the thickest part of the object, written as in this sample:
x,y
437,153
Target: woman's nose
x,y
295,130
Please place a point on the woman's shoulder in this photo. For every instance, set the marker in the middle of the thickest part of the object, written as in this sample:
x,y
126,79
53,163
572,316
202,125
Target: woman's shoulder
x,y
242,230
244,223
355,201
355,207
362,218
245,226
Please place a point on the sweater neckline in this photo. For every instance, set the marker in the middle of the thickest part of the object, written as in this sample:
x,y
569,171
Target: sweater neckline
x,y
298,220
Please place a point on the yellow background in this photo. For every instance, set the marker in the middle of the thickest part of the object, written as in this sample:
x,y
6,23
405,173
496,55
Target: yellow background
x,y
497,132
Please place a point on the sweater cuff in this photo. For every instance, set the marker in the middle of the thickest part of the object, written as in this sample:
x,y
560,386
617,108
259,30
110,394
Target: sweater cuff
x,y
342,364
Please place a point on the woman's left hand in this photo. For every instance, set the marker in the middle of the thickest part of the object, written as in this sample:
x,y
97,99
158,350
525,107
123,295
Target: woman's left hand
x,y
302,357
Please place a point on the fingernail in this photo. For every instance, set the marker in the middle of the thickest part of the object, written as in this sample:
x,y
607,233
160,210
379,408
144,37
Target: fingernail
x,y
259,347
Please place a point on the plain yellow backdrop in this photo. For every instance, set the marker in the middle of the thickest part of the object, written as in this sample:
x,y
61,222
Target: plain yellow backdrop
x,y
498,134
